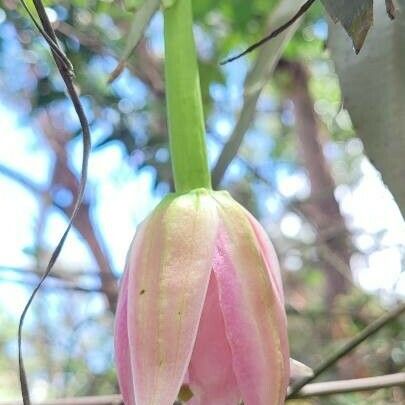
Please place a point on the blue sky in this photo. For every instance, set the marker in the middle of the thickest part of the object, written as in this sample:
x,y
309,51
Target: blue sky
x,y
125,198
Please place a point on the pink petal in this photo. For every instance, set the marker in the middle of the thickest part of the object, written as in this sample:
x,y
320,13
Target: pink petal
x,y
273,269
253,314
211,376
122,357
121,341
167,283
269,254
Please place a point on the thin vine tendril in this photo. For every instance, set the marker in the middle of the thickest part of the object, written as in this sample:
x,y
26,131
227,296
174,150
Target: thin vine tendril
x,y
66,71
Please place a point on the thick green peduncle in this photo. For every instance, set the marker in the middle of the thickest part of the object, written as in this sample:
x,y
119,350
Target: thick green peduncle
x,y
184,103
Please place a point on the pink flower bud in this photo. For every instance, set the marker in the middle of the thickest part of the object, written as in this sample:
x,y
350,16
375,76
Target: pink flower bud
x,y
201,303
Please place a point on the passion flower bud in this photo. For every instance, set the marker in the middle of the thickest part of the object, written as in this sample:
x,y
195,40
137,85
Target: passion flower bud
x,y
201,303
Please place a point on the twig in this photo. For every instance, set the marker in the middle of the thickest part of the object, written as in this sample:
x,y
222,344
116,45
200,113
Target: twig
x,y
21,179
55,287
60,280
348,347
83,225
257,78
273,34
66,275
147,67
311,390
139,24
345,386
64,177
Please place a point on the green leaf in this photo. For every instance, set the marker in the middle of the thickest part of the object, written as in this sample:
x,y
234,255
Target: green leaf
x,y
137,4
167,3
355,16
373,86
133,4
140,22
259,75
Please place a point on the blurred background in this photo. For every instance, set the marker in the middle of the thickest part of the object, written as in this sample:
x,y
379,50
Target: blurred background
x,y
280,140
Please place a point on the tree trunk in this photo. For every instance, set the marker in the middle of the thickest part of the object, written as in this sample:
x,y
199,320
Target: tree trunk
x,y
321,209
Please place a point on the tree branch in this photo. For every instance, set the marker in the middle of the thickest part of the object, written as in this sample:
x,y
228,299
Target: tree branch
x,y
145,65
349,347
83,225
65,178
275,33
59,280
55,287
346,386
256,79
322,210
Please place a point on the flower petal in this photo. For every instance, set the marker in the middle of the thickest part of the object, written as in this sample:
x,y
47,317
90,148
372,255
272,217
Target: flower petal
x,y
211,377
167,287
121,341
269,254
253,313
122,345
273,269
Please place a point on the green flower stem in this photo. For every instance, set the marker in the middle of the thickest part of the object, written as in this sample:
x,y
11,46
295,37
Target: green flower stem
x,y
184,103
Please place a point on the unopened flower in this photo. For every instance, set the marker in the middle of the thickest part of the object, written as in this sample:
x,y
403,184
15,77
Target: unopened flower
x,y
201,303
